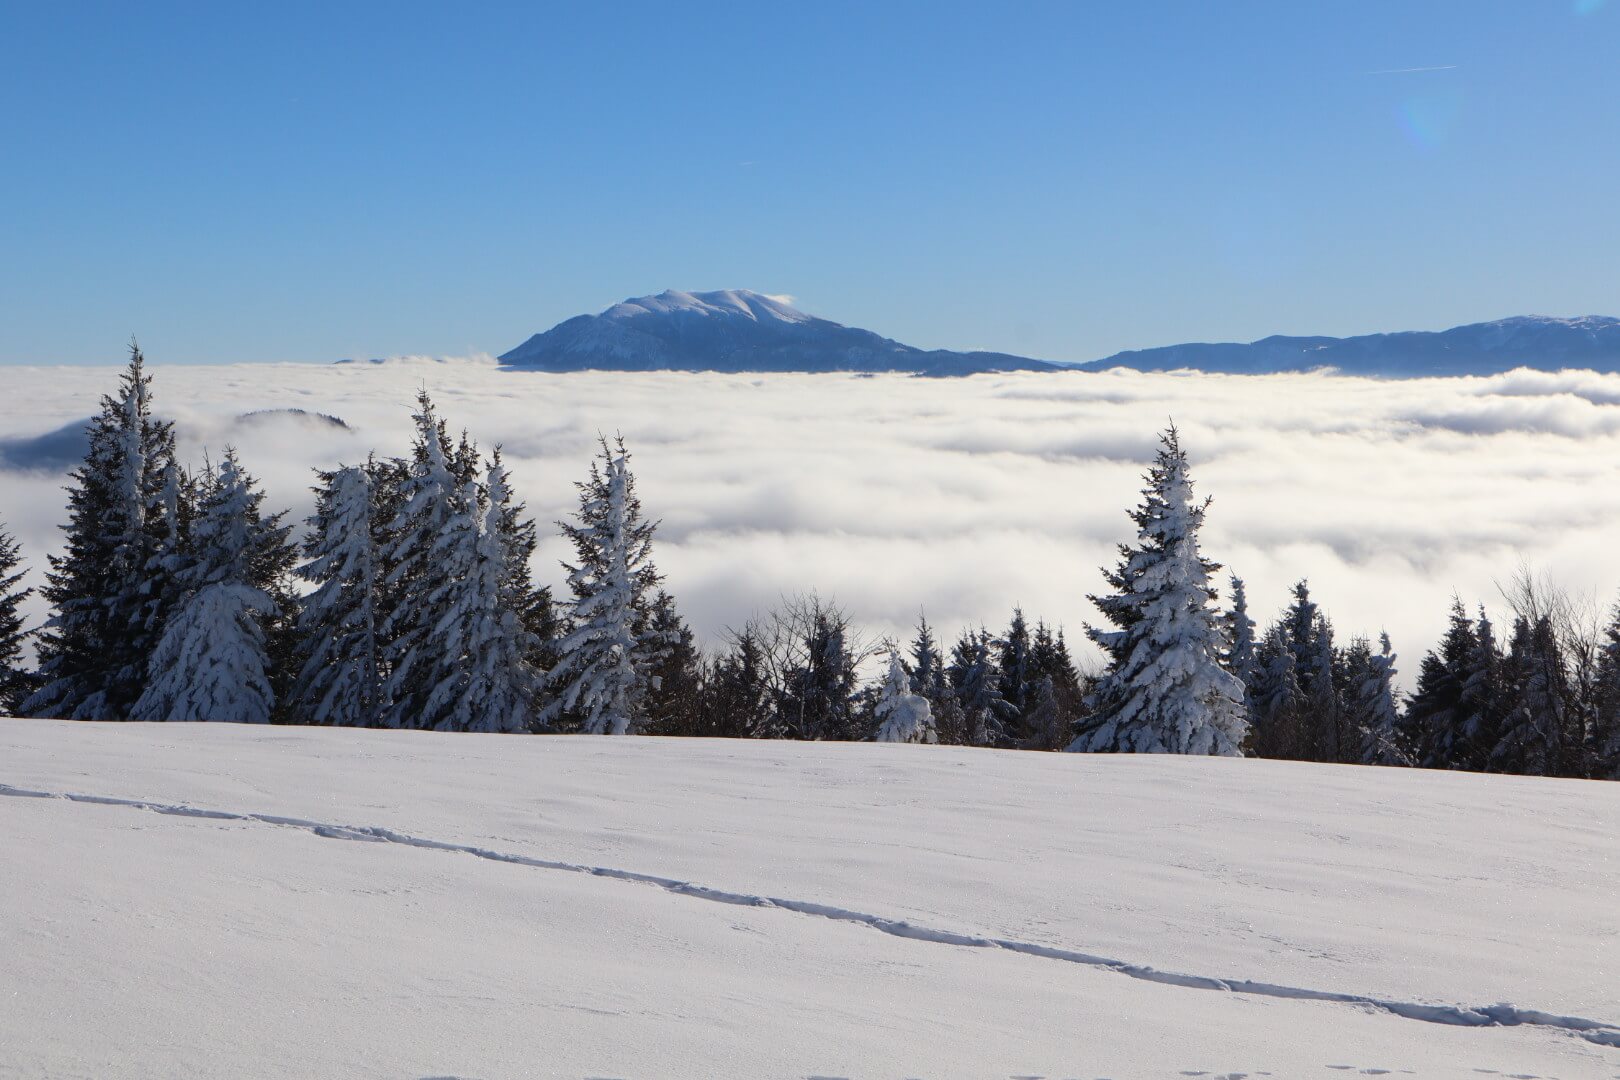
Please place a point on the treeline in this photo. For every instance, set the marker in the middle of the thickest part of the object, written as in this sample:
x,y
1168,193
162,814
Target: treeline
x,y
409,603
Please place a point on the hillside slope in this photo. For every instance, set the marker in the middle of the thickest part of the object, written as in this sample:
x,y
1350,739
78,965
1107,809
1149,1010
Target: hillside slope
x,y
197,900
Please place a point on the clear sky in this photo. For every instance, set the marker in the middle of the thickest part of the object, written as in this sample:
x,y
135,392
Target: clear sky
x,y
308,182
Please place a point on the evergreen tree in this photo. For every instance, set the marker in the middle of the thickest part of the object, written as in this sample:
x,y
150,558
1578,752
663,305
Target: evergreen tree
x,y
1437,713
1370,715
675,703
1275,705
1604,732
1013,658
16,683
1467,742
536,608
927,666
340,679
976,679
1310,638
1238,656
107,590
606,663
819,703
1540,731
1166,691
737,704
902,716
213,661
433,514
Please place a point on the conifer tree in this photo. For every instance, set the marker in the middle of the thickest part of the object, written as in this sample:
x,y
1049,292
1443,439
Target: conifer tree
x,y
606,663
820,699
1166,691
108,588
1275,705
675,701
16,683
1017,684
1238,655
927,665
340,679
738,703
1536,738
1310,639
1371,717
976,679
432,514
1604,733
536,607
479,649
213,661
902,716
1436,713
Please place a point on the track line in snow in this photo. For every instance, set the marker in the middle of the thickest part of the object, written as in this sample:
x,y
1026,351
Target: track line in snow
x,y
1501,1015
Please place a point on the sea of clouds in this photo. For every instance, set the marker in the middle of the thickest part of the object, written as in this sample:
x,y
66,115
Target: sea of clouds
x,y
963,497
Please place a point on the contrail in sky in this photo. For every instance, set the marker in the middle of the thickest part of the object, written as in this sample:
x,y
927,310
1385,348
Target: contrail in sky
x,y
1409,71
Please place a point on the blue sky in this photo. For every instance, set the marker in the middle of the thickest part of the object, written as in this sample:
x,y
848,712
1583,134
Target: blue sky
x,y
308,182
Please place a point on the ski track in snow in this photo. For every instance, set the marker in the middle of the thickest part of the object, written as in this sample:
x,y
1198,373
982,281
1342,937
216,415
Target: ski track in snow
x,y
1501,1015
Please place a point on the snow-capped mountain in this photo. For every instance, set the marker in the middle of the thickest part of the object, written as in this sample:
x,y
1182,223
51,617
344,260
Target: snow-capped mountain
x,y
1532,341
735,330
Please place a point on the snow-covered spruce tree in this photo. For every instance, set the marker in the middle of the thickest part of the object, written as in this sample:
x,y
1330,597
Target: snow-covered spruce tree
x,y
1017,683
902,716
1438,714
1166,691
340,671
605,664
1275,706
477,661
819,703
1310,639
1238,655
16,682
536,607
432,513
213,662
927,665
1538,731
1370,713
107,589
976,680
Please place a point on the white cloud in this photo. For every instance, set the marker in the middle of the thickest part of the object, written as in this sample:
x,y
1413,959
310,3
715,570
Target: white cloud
x,y
965,496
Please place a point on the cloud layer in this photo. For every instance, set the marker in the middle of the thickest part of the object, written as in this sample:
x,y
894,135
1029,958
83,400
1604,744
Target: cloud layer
x,y
963,496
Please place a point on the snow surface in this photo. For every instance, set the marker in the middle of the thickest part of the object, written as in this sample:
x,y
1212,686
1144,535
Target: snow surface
x,y
207,900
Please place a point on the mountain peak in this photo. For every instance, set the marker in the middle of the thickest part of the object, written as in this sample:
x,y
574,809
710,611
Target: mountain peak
x,y
734,330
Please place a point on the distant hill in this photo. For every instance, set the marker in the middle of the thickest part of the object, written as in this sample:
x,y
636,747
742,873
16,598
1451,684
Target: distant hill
x,y
1531,341
735,330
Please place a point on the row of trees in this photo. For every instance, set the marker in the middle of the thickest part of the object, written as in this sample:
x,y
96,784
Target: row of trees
x,y
409,602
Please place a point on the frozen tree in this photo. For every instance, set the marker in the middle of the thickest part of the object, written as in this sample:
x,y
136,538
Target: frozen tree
x,y
340,675
1276,707
478,649
432,515
605,666
1014,659
1604,735
1438,713
1536,731
927,666
976,680
1238,655
108,587
1166,691
675,700
212,661
1370,714
15,681
902,715
737,704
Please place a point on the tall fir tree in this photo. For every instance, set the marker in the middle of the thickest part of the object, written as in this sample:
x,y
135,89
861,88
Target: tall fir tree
x,y
606,663
536,607
1238,655
675,701
1013,658
340,677
432,512
976,679
213,660
1540,734
819,702
1371,716
1166,691
927,665
16,681
1604,731
1310,636
1437,711
1275,706
108,589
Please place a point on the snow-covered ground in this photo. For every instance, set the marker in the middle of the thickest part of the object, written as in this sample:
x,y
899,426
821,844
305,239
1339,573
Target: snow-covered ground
x,y
211,900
